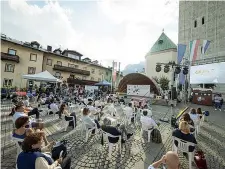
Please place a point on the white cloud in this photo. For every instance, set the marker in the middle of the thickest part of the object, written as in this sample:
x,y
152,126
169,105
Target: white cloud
x,y
52,24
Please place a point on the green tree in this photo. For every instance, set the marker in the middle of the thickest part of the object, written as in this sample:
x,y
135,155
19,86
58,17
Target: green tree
x,y
164,83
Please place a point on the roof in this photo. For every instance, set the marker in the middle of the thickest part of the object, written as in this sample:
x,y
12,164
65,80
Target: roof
x,y
163,43
25,44
72,51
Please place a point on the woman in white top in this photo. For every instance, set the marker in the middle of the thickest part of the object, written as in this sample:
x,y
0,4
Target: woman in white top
x,y
90,123
194,116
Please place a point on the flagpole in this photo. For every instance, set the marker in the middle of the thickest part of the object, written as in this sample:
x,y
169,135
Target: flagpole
x,y
112,76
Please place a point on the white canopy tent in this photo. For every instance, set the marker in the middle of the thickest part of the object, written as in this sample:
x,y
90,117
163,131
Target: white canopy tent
x,y
43,76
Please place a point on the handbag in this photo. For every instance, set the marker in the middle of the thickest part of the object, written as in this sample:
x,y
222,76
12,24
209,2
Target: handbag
x,y
200,160
60,146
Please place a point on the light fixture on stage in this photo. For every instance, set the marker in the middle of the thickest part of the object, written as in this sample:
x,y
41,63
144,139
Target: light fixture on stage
x,y
177,70
185,70
158,68
166,68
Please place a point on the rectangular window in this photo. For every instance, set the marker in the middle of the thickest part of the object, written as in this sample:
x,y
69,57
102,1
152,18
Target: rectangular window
x,y
92,78
33,57
83,77
203,20
71,65
92,70
73,56
100,72
7,82
9,67
85,68
59,63
49,62
107,73
57,75
31,70
195,24
77,66
11,51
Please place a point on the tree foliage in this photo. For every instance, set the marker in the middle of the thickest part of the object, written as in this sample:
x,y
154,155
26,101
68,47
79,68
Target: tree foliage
x,y
156,79
164,82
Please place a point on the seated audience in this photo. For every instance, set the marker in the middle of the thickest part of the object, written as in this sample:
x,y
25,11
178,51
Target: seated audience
x,y
194,116
119,130
63,110
199,112
20,110
32,158
90,123
54,108
128,110
23,131
170,160
145,108
184,133
186,117
148,122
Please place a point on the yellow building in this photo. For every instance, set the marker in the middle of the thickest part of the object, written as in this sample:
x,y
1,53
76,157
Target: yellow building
x,y
18,58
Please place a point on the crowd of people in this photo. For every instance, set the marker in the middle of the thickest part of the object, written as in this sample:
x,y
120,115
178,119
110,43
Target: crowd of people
x,y
34,143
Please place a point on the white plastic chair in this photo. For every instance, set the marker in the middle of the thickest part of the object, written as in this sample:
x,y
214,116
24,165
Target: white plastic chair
x,y
88,130
183,146
106,136
197,126
66,123
145,127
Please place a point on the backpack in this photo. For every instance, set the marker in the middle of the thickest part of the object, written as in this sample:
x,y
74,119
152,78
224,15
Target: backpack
x,y
156,136
200,160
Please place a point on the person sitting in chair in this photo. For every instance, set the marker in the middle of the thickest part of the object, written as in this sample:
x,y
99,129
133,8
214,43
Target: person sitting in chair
x,y
147,121
67,114
32,158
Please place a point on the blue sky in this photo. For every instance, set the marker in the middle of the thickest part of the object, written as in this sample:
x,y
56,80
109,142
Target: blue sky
x,y
107,30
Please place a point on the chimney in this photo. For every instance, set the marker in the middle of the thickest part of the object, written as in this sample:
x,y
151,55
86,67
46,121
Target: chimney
x,y
49,48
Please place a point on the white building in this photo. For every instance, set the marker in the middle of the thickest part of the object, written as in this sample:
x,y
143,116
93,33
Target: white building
x,y
163,51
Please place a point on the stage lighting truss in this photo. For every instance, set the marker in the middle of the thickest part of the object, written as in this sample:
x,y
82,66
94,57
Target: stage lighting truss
x,y
166,68
158,68
177,70
185,70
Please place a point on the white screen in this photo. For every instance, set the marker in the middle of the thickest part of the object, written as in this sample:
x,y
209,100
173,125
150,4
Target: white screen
x,y
209,73
138,90
91,88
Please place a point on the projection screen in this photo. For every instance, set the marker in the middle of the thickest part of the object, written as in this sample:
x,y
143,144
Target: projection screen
x,y
208,74
138,90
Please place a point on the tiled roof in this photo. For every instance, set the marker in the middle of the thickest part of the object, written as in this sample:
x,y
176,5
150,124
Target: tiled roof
x,y
163,43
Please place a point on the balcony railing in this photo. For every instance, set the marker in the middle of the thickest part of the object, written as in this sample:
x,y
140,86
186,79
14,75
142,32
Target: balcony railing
x,y
81,82
72,70
6,56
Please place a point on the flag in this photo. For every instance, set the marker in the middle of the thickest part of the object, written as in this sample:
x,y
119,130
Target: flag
x,y
181,78
205,46
193,50
181,52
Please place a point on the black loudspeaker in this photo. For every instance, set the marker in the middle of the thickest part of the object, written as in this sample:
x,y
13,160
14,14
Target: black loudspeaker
x,y
174,93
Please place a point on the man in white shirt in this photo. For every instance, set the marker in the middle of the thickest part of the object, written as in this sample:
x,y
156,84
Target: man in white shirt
x,y
19,112
128,110
170,160
148,122
55,109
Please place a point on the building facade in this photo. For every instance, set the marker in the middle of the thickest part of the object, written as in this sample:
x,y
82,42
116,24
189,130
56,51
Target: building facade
x,y
163,51
18,58
203,20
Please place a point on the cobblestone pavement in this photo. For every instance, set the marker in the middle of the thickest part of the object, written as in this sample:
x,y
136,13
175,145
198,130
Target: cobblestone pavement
x,y
137,153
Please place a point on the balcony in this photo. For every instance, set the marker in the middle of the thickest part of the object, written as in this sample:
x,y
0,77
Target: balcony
x,y
81,82
6,56
72,70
